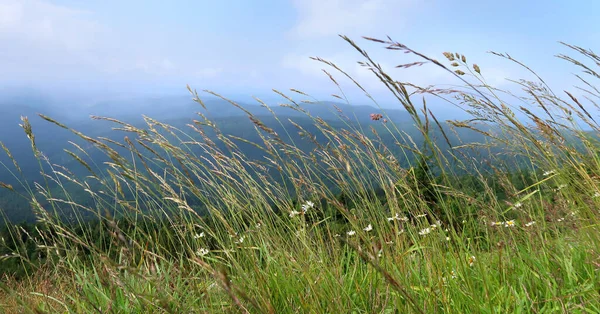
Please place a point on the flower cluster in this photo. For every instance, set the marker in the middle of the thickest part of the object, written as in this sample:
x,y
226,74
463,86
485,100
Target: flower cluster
x,y
507,224
376,116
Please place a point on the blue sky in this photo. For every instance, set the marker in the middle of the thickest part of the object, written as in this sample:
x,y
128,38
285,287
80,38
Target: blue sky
x,y
249,47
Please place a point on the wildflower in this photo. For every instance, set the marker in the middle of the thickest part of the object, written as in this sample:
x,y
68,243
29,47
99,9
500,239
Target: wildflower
x,y
294,213
421,215
560,219
497,223
376,116
308,205
529,224
202,252
510,223
472,260
547,173
240,240
453,274
518,205
351,232
397,217
425,231
447,238
198,236
368,228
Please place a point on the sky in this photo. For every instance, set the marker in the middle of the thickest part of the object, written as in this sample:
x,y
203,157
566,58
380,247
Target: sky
x,y
242,47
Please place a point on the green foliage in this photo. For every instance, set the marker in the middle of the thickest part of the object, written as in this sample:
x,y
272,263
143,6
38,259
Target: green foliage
x,y
295,213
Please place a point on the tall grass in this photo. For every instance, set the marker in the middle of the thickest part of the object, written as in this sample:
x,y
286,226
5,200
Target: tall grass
x,y
341,228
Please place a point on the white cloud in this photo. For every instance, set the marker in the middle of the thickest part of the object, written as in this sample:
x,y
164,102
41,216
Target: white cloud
x,y
43,24
323,18
41,40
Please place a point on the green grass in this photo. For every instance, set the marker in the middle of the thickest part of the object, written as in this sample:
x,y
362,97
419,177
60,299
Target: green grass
x,y
372,237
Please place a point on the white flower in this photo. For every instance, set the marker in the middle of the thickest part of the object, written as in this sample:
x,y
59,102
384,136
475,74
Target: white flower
x,y
294,213
497,223
425,231
397,217
198,236
308,205
510,223
240,240
472,260
547,173
368,228
202,252
560,219
351,232
421,215
447,238
518,205
529,224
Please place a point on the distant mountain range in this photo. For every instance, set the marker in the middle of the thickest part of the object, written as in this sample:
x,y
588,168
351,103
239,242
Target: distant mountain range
x,y
176,111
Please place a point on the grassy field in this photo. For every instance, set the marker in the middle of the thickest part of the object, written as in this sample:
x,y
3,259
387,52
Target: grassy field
x,y
380,239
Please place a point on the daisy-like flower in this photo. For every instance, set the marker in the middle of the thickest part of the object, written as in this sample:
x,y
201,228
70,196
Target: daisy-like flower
x,y
198,236
547,173
425,231
351,232
496,223
510,223
368,228
436,224
529,224
202,252
472,260
308,205
397,217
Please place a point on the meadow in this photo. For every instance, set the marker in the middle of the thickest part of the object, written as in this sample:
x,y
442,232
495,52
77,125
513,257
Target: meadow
x,y
178,222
